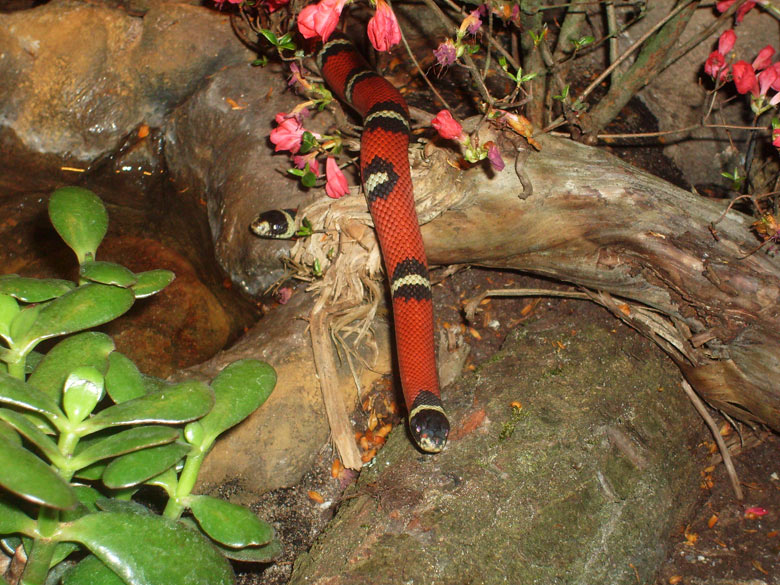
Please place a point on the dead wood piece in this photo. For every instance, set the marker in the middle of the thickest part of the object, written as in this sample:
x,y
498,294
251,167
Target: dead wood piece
x,y
607,227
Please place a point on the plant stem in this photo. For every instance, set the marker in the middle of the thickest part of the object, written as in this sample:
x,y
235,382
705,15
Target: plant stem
x,y
37,567
16,369
189,474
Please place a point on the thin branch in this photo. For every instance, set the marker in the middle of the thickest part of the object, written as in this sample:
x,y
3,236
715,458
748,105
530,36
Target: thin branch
x,y
724,451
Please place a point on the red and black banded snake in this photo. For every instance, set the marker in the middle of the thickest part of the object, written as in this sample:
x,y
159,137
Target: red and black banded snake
x,y
387,182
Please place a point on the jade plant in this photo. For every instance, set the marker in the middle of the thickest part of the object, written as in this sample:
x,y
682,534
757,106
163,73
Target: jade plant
x,y
82,430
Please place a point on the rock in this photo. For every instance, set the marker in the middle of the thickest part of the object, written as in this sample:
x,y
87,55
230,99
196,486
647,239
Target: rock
x,y
217,146
278,443
81,77
582,485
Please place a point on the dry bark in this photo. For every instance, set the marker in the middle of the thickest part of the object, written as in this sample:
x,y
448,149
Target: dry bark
x,y
643,248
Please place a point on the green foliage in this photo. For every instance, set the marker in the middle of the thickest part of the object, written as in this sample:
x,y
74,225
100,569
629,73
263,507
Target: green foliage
x,y
85,411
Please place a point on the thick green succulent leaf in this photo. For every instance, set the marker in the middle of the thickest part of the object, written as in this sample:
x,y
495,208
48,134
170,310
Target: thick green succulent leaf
x,y
87,306
87,496
80,218
123,442
239,389
8,433
13,520
252,554
33,434
135,468
83,389
150,550
177,403
9,309
90,348
34,290
123,506
167,480
27,476
24,395
91,571
228,523
151,282
24,320
107,273
123,380
92,472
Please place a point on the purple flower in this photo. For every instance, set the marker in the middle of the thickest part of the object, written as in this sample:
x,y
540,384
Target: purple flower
x,y
445,53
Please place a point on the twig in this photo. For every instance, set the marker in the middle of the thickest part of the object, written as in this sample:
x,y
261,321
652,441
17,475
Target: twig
x,y
471,306
724,451
615,64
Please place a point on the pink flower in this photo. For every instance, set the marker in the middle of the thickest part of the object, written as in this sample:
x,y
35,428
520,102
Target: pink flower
x,y
765,80
776,68
741,11
288,134
336,183
447,126
471,23
726,41
320,20
744,77
776,136
310,159
383,28
445,53
273,5
715,66
764,58
494,156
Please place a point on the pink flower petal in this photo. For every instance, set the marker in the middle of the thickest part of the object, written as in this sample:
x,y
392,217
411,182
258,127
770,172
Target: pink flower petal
x,y
383,30
336,183
447,126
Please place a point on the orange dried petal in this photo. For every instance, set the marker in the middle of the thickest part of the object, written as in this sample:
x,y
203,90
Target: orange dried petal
x,y
316,497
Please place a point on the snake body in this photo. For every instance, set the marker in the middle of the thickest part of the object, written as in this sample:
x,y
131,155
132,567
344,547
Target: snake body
x,y
387,182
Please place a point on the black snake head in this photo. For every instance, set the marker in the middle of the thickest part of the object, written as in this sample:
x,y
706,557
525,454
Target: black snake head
x,y
429,428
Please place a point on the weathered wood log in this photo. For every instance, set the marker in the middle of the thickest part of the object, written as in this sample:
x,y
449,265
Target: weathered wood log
x,y
662,259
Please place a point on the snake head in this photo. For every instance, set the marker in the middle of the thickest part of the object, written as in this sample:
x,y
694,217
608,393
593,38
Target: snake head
x,y
429,428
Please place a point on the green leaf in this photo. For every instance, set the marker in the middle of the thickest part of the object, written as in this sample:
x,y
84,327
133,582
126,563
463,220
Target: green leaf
x,y
80,218
82,308
90,348
87,496
252,554
33,434
107,273
9,434
91,571
152,282
239,389
123,442
14,391
167,480
26,475
34,290
228,523
123,506
150,550
135,468
92,472
123,380
9,309
24,320
82,391
13,520
178,403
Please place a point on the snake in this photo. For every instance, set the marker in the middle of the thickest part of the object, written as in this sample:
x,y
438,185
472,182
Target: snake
x,y
387,185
